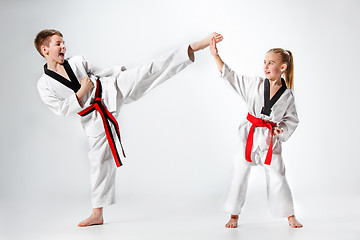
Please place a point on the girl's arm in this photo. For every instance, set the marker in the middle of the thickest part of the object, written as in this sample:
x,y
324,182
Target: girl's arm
x,y
214,52
289,122
241,84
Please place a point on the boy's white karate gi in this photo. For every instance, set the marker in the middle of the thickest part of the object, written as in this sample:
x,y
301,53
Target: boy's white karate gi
x,y
283,113
119,86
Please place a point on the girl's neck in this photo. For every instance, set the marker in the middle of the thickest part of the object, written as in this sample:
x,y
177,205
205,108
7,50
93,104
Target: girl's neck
x,y
275,82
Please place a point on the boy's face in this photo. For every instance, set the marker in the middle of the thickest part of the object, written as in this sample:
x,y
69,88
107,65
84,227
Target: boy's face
x,y
55,52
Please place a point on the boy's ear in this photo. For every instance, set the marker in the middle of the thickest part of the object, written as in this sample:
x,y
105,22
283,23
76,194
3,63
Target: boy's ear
x,y
45,50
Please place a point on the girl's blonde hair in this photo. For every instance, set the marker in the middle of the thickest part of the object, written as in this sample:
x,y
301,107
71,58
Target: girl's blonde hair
x,y
287,58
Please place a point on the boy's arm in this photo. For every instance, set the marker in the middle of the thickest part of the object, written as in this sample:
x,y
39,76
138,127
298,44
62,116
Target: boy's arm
x,y
86,86
58,105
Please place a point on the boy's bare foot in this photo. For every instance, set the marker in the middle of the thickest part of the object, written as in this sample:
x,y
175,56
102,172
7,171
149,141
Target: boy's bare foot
x,y
96,218
233,222
293,222
199,45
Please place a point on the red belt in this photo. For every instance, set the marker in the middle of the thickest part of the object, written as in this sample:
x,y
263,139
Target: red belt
x,y
106,117
258,122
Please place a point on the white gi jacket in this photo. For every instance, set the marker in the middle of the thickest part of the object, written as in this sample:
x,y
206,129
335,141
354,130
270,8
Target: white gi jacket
x,y
283,113
119,86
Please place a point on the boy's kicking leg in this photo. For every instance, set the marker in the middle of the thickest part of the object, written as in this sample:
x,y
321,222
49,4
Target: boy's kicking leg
x,y
205,42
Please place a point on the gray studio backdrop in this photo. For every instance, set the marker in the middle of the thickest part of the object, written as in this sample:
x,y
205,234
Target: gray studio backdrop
x,y
181,138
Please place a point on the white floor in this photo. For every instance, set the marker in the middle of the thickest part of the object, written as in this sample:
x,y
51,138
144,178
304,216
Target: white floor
x,y
152,217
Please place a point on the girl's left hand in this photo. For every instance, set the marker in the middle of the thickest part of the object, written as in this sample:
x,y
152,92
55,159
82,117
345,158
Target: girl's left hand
x,y
277,131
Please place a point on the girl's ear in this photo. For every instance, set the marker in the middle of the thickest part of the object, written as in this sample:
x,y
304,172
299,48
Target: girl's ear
x,y
283,67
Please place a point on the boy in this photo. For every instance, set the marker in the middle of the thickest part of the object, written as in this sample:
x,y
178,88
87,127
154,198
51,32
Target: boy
x,y
73,85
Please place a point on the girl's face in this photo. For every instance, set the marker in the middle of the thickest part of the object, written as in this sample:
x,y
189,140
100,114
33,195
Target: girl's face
x,y
273,67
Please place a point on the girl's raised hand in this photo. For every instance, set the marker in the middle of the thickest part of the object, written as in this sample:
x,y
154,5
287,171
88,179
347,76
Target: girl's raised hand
x,y
213,49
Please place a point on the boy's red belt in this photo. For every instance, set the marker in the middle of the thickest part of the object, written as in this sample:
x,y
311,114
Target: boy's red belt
x,y
258,122
106,117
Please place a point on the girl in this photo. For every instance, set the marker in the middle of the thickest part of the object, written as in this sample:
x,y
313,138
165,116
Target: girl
x,y
271,120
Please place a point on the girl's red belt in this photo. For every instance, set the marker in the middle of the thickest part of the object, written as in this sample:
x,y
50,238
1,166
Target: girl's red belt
x,y
106,116
258,122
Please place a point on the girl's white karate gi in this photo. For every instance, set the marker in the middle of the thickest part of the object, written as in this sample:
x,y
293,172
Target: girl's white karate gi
x,y
251,89
119,86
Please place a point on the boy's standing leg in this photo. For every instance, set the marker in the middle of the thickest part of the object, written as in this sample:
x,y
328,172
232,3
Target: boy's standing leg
x,y
102,176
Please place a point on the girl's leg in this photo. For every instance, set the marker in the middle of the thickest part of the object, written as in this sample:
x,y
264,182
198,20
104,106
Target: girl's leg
x,y
233,222
294,223
237,193
278,190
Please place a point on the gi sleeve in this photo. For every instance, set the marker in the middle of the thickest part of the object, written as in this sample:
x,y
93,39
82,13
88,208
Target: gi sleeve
x,y
93,70
137,82
289,122
240,83
60,106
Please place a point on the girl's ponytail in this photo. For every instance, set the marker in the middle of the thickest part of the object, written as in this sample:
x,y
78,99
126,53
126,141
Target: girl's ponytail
x,y
289,72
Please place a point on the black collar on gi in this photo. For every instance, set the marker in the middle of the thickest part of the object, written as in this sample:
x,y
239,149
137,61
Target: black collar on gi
x,y
268,103
72,84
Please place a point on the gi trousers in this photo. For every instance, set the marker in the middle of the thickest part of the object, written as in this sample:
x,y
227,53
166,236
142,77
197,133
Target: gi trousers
x,y
102,172
278,191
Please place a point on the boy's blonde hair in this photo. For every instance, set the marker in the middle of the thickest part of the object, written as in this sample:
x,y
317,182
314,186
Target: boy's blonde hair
x,y
287,58
43,38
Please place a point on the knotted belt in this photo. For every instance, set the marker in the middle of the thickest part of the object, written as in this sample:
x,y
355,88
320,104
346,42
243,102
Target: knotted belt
x,y
258,122
106,117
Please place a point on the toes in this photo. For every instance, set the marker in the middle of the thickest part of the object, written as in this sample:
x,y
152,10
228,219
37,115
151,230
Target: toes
x,y
81,225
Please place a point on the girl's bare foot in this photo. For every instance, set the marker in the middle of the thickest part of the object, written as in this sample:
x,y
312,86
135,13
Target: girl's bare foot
x,y
204,43
233,222
96,218
293,222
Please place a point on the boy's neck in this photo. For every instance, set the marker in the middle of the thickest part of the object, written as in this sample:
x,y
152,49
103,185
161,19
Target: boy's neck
x,y
53,65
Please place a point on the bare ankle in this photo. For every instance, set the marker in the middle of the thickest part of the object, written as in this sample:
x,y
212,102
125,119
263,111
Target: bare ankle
x,y
97,211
